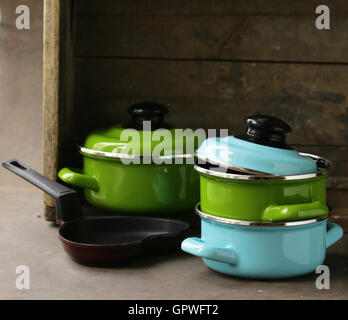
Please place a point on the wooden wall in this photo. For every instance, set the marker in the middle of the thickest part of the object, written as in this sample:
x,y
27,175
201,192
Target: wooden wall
x,y
213,63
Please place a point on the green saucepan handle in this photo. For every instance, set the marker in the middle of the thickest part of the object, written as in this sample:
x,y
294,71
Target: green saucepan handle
x,y
78,179
295,211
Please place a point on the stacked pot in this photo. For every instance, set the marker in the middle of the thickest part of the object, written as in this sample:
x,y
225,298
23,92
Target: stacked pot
x,y
262,204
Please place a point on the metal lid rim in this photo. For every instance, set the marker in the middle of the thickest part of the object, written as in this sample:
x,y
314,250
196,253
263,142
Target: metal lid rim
x,y
103,154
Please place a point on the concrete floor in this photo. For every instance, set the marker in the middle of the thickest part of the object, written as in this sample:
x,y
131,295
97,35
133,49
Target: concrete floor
x,y
27,239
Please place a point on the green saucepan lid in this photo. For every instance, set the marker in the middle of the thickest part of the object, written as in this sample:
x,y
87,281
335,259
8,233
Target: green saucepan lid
x,y
145,134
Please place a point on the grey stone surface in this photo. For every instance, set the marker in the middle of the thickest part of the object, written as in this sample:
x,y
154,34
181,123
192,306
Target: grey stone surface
x,y
27,239
20,88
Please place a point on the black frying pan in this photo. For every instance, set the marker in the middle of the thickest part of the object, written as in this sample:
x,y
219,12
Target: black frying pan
x,y
103,241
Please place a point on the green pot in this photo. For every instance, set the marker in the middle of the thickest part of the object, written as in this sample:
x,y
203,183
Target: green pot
x,y
120,172
263,198
135,188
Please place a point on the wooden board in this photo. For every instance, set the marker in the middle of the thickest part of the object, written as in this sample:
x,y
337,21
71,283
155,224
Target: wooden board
x,y
338,202
338,155
220,94
206,7
50,96
229,37
57,89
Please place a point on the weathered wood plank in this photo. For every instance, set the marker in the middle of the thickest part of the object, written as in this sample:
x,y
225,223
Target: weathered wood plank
x,y
58,87
205,7
221,94
338,155
235,37
338,202
339,199
50,98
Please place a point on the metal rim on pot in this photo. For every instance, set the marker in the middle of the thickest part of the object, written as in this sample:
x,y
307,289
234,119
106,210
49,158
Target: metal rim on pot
x,y
294,223
231,167
103,154
322,164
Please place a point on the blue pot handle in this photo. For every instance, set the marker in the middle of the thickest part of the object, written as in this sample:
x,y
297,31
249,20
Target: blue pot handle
x,y
199,248
333,233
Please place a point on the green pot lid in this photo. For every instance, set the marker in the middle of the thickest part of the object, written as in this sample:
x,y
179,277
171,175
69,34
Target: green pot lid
x,y
145,134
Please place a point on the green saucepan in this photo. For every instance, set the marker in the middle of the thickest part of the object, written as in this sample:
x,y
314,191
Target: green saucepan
x,y
264,198
122,171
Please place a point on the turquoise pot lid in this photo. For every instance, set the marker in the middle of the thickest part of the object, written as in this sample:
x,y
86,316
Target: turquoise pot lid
x,y
262,149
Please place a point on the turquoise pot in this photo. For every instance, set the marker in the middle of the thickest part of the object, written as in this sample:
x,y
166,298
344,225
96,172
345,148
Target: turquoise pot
x,y
263,251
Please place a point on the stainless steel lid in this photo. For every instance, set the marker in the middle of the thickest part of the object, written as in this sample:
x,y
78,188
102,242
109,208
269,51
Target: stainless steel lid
x,y
110,155
293,223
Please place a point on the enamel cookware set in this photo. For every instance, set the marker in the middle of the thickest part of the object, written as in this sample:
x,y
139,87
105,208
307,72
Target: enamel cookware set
x,y
262,205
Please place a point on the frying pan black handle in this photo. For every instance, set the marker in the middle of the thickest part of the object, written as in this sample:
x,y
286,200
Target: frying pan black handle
x,y
51,187
67,200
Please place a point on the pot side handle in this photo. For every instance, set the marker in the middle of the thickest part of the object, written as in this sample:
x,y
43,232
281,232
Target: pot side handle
x,y
78,179
295,211
198,247
333,233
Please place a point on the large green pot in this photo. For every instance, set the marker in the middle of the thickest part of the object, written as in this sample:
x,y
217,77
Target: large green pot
x,y
264,198
135,188
120,171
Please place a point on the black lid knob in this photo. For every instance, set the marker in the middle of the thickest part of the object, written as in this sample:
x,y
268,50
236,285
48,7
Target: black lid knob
x,y
266,130
147,111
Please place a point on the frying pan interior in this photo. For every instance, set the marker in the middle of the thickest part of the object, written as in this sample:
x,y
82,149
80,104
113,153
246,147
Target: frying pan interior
x,y
113,241
119,230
